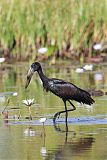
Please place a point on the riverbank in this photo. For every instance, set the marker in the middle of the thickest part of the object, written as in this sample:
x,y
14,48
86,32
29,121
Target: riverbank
x,y
67,28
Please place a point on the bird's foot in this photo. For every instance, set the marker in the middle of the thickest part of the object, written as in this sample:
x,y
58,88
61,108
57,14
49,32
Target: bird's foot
x,y
57,115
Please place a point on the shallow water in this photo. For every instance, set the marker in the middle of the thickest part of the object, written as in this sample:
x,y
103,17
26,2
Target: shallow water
x,y
83,137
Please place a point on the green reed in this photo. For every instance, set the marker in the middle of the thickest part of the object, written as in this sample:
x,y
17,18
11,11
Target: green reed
x,y
29,22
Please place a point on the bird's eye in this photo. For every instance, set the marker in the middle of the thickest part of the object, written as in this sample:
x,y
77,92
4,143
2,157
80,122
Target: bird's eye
x,y
32,65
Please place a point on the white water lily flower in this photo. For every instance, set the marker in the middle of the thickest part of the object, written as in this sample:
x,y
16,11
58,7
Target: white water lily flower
x,y
97,46
15,94
2,60
42,120
42,50
79,70
88,67
28,102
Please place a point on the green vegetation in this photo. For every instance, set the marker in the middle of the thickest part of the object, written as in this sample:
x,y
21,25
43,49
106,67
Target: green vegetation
x,y
28,25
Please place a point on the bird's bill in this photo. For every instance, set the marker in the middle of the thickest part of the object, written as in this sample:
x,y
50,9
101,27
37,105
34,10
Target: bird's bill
x,y
29,76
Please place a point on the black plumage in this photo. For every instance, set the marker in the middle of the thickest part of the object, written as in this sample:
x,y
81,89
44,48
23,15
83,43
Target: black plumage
x,y
65,90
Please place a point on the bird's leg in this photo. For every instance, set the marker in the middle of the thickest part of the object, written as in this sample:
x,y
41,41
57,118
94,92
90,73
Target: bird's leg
x,y
58,113
74,108
66,111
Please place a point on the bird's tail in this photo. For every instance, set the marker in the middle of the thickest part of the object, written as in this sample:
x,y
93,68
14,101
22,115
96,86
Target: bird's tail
x,y
85,97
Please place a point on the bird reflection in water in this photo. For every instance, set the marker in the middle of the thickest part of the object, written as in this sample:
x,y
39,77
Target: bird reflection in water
x,y
58,129
75,147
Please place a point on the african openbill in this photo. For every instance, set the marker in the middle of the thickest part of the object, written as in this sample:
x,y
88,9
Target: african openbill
x,y
65,90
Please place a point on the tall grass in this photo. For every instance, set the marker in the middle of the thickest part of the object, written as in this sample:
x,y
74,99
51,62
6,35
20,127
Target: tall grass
x,y
31,22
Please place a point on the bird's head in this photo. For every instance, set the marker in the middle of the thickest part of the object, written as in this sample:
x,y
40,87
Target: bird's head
x,y
33,68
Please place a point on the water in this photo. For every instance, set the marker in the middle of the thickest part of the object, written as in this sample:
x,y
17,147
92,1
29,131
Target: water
x,y
24,139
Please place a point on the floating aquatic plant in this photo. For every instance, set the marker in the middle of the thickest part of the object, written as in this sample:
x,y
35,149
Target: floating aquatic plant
x,y
42,50
88,67
29,102
2,60
15,94
97,46
42,120
79,70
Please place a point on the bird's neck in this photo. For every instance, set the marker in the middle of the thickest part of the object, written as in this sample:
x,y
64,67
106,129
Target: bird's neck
x,y
42,76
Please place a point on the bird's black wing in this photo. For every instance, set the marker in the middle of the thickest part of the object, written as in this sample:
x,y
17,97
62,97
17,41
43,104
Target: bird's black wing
x,y
67,90
62,89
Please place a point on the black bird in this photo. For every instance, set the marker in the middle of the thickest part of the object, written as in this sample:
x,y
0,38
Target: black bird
x,y
65,90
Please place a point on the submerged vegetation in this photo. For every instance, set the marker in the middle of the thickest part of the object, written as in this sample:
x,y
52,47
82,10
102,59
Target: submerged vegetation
x,y
67,28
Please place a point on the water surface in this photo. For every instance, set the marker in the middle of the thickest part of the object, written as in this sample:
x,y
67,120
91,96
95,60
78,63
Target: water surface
x,y
24,139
